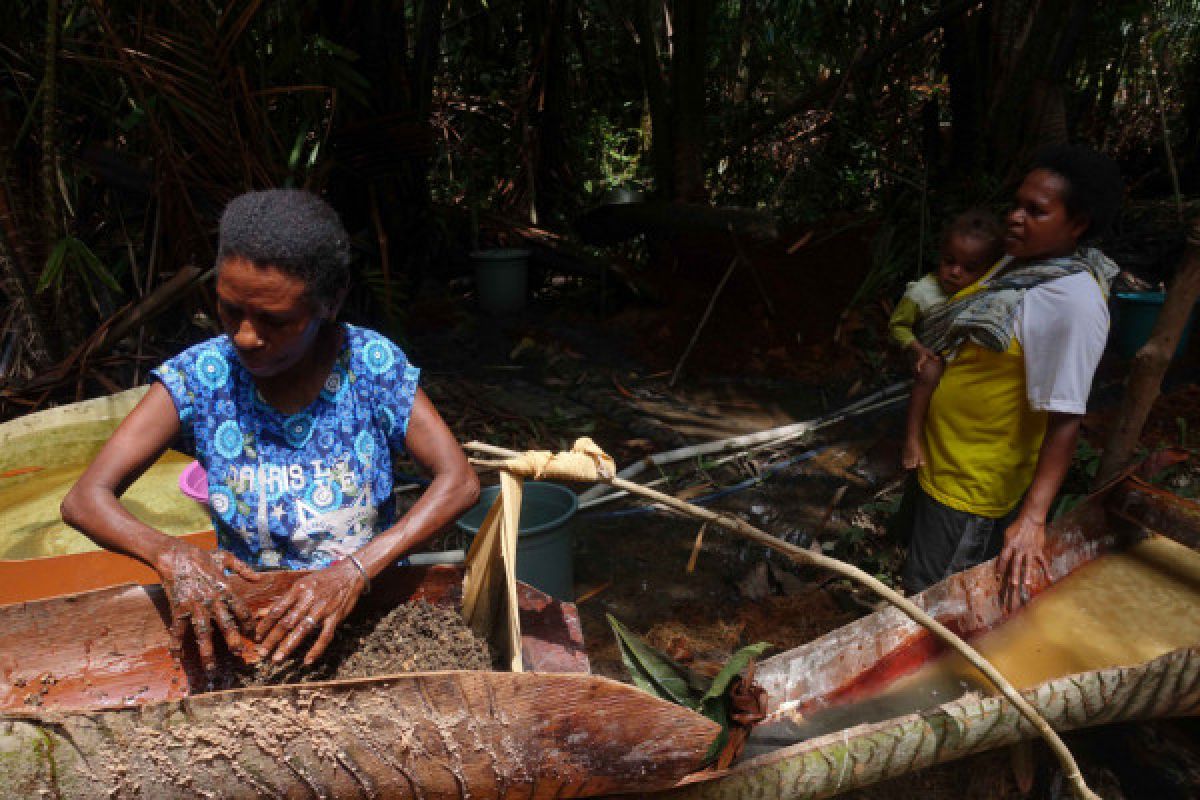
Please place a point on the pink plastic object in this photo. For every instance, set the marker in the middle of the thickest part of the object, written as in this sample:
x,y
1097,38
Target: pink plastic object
x,y
193,482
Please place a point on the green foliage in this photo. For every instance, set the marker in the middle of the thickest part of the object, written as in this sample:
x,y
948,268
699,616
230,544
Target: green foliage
x,y
72,259
656,673
1077,483
616,155
189,103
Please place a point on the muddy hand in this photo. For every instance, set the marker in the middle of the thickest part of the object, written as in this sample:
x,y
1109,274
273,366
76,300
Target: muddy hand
x,y
200,597
318,602
1019,561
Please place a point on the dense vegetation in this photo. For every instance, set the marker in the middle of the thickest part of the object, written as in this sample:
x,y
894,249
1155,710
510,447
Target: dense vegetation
x,y
436,125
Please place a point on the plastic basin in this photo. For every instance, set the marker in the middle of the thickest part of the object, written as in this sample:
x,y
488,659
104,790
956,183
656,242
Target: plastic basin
x,y
544,535
193,482
1134,315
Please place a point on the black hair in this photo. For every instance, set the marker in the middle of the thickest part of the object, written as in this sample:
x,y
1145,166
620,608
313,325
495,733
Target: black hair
x,y
294,231
981,225
1094,185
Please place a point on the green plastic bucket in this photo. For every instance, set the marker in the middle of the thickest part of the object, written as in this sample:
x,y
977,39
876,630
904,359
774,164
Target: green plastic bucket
x,y
500,279
1134,315
544,535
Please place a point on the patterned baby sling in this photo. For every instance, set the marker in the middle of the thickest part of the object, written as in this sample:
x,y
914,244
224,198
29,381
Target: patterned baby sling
x,y
986,316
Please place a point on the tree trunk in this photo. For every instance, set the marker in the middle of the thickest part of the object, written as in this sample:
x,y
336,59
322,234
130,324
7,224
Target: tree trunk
x,y
658,105
1150,363
545,159
688,70
961,63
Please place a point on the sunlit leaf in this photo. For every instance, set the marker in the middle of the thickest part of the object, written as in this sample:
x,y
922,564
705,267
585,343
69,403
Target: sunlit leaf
x,y
651,670
734,667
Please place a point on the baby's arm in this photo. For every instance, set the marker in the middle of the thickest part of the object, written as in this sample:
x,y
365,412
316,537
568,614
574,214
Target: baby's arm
x,y
928,371
903,323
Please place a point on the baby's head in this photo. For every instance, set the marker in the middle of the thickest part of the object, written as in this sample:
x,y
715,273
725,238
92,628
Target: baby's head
x,y
973,242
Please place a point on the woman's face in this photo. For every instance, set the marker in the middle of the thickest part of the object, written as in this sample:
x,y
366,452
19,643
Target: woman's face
x,y
1040,225
267,315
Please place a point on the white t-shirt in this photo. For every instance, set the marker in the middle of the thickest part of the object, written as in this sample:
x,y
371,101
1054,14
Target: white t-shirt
x,y
1062,326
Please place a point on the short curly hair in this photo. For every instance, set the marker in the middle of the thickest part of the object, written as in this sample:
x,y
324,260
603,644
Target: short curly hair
x,y
294,231
1094,184
981,225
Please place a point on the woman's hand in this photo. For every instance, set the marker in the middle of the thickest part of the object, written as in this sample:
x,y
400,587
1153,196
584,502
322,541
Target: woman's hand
x,y
318,601
199,595
1025,539
1024,549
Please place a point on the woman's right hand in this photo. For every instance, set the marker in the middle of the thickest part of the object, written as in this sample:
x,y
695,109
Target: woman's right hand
x,y
199,594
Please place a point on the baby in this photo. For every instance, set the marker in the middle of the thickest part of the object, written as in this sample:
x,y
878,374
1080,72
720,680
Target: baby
x,y
972,243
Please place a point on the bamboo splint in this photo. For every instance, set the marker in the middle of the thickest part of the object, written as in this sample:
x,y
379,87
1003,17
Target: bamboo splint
x,y
490,585
586,457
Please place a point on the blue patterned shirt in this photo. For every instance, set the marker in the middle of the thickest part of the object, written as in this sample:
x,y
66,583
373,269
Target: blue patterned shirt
x,y
301,490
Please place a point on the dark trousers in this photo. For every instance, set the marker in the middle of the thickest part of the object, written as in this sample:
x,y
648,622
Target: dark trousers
x,y
945,541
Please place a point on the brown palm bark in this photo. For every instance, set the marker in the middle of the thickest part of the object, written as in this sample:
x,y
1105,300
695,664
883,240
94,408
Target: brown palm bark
x,y
1150,363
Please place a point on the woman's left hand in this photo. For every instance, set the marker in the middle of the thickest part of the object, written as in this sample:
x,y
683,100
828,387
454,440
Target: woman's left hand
x,y
318,601
1024,549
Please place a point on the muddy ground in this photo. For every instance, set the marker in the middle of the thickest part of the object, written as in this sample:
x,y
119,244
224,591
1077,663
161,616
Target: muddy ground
x,y
570,366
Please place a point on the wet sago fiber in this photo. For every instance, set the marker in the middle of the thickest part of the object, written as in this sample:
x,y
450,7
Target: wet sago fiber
x,y
413,637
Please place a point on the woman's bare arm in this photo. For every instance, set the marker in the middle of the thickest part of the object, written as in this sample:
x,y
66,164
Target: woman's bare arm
x,y
193,579
92,508
1025,539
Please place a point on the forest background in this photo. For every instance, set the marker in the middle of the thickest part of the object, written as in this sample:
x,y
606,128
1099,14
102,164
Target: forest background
x,y
438,126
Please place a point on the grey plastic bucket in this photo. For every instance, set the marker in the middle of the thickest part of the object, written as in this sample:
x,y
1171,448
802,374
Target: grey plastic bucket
x,y
544,535
500,279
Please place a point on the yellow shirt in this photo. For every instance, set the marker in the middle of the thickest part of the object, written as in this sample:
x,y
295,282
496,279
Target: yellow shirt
x,y
983,434
982,438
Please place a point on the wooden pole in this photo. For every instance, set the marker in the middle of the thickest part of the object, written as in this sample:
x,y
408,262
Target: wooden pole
x,y
910,609
1150,363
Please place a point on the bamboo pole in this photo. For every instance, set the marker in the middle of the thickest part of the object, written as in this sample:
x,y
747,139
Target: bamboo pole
x,y
841,568
887,396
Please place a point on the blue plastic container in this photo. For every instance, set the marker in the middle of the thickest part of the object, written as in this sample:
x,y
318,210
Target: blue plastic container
x,y
545,537
1134,315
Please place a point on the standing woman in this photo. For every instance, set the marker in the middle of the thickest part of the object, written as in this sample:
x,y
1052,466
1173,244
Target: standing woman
x,y
1003,422
296,419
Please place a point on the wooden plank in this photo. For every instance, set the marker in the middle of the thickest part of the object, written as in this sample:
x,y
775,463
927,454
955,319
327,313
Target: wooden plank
x,y
428,735
1158,511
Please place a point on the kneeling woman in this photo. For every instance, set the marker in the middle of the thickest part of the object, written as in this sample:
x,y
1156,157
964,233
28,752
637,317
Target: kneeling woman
x,y
296,418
